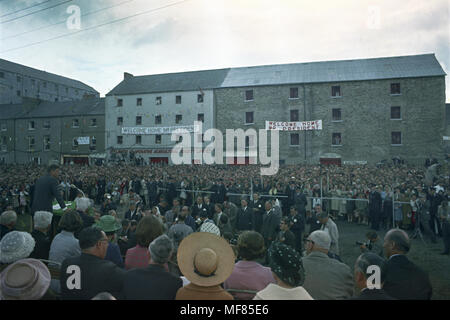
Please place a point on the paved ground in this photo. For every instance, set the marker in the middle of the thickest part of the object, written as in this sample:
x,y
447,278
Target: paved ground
x,y
427,256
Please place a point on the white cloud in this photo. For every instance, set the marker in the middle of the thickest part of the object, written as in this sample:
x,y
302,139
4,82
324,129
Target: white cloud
x,y
207,34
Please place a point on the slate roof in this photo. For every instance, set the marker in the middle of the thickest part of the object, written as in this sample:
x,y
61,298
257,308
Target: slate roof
x,y
48,109
424,65
336,71
43,75
168,82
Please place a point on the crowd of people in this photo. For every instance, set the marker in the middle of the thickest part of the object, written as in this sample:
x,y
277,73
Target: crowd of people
x,y
216,232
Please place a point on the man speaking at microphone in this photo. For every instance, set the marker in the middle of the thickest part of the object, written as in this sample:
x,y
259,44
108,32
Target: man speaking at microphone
x,y
45,191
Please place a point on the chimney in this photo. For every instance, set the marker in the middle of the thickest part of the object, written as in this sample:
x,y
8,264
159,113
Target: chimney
x,y
127,75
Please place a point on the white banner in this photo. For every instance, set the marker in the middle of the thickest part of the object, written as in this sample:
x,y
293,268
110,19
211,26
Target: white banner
x,y
294,126
83,140
157,130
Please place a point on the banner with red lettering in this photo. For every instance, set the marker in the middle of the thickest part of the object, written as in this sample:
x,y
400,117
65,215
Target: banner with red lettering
x,y
294,126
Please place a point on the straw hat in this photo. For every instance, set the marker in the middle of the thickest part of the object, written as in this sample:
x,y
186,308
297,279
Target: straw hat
x,y
27,279
205,259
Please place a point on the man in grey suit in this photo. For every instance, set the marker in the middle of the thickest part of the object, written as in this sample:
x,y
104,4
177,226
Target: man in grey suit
x,y
45,191
325,278
271,224
329,226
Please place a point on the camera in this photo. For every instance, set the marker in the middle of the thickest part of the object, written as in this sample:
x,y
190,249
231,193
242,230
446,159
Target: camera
x,y
368,244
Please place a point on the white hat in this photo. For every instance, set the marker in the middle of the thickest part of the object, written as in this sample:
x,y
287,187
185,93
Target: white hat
x,y
16,245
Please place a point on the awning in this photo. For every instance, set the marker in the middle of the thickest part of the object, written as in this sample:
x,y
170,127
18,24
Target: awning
x,y
330,156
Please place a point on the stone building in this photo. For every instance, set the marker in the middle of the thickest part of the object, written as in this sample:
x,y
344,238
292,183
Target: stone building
x,y
141,111
371,109
43,132
18,81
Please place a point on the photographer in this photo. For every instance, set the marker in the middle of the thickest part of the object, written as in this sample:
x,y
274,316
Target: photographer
x,y
107,204
372,244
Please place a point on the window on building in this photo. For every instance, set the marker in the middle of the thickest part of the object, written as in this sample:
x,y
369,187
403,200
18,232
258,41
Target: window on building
x,y
44,84
294,115
336,139
120,102
396,138
396,113
119,121
138,139
76,91
336,115
3,126
158,100
46,124
178,99
46,143
249,117
4,144
247,141
158,139
56,87
199,98
295,139
2,75
93,143
139,101
293,93
248,95
395,88
31,125
93,122
33,82
75,144
31,143
178,118
158,119
19,78
138,120
201,117
119,139
335,91
67,90
75,123
56,99
18,93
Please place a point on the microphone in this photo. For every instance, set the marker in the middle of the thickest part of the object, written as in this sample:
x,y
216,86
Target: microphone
x,y
75,187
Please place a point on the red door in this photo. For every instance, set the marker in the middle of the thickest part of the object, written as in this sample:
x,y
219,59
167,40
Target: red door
x,y
159,160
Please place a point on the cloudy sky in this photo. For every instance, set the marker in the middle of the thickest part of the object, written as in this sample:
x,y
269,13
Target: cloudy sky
x,y
160,36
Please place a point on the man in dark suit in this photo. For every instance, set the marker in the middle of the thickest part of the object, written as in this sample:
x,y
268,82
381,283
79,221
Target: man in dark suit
x,y
244,218
133,213
375,203
364,270
404,280
209,207
94,274
45,191
197,208
297,227
300,201
258,211
153,282
271,224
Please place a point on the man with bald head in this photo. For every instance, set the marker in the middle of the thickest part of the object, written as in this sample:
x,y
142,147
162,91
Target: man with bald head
x,y
404,280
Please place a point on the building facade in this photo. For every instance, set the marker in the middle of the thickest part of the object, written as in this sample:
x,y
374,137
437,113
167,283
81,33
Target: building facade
x,y
371,110
141,112
19,81
47,132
